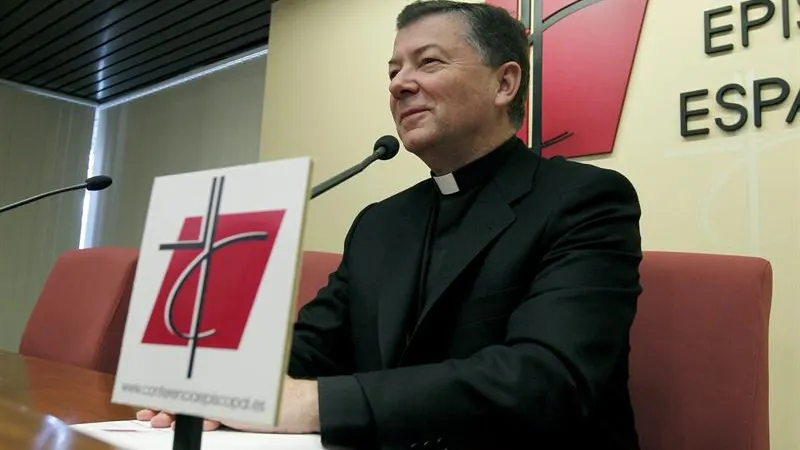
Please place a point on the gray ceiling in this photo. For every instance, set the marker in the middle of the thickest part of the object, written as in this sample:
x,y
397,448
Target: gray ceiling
x,y
100,50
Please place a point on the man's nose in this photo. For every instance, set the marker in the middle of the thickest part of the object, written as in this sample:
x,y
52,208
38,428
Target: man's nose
x,y
403,85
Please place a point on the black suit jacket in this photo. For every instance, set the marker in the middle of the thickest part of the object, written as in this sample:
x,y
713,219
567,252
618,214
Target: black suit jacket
x,y
526,338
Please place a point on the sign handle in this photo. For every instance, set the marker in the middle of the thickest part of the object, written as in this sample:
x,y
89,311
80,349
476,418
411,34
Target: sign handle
x,y
188,432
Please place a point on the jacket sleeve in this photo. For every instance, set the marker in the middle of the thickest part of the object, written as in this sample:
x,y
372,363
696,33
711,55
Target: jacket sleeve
x,y
321,344
562,343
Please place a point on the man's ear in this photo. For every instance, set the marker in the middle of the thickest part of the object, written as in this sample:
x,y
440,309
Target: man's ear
x,y
509,79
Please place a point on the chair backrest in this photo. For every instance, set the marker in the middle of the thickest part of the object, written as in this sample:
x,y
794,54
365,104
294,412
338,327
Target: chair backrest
x,y
79,318
315,269
699,367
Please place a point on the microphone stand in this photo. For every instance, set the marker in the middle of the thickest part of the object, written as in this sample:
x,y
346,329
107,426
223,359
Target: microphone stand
x,y
41,196
347,174
188,434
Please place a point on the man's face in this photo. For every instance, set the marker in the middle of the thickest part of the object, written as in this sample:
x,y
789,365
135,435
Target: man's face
x,y
440,91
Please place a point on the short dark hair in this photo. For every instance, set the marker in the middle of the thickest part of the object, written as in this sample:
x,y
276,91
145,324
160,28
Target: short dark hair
x,y
496,36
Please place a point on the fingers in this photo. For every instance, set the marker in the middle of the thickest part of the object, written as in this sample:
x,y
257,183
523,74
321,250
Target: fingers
x,y
162,420
145,414
210,425
165,419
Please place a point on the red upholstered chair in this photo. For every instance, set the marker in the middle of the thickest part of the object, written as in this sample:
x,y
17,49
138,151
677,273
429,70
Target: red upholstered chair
x,y
80,315
699,367
314,271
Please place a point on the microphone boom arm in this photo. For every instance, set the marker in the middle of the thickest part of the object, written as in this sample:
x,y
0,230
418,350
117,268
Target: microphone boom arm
x,y
41,196
349,173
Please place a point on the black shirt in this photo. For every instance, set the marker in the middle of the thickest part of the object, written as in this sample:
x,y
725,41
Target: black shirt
x,y
456,192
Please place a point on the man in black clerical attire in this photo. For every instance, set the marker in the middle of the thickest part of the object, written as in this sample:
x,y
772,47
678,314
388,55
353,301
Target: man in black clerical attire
x,y
489,306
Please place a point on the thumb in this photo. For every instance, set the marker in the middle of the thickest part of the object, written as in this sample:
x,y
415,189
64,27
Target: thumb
x,y
210,425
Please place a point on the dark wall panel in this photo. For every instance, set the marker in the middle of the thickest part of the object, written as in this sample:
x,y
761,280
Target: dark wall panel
x,y
103,49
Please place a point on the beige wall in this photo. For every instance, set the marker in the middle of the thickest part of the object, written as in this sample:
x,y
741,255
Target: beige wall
x,y
209,122
44,145
326,96
726,194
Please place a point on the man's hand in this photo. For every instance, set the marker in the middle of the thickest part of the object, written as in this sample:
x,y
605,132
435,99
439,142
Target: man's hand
x,y
164,419
299,413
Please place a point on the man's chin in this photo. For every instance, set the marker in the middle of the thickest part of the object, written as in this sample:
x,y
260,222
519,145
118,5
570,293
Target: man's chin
x,y
417,140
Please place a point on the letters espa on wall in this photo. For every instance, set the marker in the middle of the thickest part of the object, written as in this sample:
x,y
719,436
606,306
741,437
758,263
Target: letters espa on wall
x,y
740,104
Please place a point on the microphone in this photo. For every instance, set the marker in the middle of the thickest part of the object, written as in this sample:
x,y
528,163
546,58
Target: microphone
x,y
95,183
385,148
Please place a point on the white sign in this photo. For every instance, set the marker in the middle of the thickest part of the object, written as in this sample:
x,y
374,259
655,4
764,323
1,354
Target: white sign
x,y
213,300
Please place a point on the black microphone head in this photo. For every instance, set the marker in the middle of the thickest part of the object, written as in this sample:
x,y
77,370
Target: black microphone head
x,y
98,182
390,146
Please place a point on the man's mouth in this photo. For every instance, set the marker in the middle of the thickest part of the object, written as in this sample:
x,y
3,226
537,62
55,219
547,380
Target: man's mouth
x,y
411,112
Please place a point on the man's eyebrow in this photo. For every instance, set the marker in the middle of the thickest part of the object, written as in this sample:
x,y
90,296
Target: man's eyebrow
x,y
419,50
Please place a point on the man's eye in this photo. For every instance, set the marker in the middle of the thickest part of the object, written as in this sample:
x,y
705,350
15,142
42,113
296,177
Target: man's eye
x,y
426,61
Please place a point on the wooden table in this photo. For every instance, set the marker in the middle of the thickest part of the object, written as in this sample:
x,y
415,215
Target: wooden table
x,y
40,399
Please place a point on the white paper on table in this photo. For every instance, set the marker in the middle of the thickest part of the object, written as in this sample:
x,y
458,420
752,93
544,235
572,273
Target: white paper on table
x,y
139,435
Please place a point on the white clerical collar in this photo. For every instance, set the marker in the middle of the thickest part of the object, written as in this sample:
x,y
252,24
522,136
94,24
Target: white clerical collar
x,y
446,183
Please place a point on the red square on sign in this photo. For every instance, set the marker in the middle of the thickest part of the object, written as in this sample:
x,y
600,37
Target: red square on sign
x,y
226,284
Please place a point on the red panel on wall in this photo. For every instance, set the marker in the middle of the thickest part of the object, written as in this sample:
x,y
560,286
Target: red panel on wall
x,y
552,6
587,54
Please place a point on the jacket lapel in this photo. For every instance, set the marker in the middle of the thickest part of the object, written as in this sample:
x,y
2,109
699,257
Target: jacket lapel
x,y
488,217
402,264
